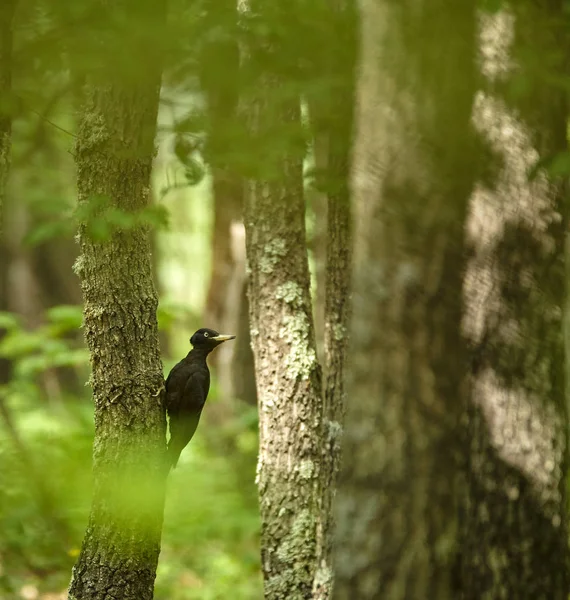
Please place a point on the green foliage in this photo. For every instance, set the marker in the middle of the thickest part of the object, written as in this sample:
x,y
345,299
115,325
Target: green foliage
x,y
44,348
210,544
211,527
100,219
556,165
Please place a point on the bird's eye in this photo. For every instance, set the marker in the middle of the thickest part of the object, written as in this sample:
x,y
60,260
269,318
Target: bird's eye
x,y
206,334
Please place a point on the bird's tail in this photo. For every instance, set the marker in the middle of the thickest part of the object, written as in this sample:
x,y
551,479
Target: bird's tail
x,y
172,455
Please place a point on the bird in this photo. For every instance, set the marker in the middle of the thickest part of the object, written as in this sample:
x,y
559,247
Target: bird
x,y
187,387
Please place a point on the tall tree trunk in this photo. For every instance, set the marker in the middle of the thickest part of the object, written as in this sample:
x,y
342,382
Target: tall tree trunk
x,y
220,77
333,105
289,387
515,539
6,17
114,154
412,178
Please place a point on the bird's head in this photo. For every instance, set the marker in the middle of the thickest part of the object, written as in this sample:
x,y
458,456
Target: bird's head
x,y
208,339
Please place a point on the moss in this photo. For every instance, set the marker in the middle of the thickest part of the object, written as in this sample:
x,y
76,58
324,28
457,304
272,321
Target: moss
x,y
301,359
94,131
324,576
339,332
279,586
291,293
298,545
272,252
334,430
79,266
306,469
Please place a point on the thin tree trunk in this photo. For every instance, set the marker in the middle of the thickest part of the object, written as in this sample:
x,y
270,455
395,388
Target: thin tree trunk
x,y
114,155
335,114
317,201
220,78
412,178
288,380
515,538
6,18
289,386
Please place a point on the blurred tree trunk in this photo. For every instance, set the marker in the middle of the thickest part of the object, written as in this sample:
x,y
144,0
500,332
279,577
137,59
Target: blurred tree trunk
x,y
114,153
6,17
219,73
413,173
291,479
515,538
40,276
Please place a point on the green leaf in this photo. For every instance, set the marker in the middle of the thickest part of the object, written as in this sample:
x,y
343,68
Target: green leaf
x,y
491,6
155,215
67,316
9,321
47,231
556,165
98,230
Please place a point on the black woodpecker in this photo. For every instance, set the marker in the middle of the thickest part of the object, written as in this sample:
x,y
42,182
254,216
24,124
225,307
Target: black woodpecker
x,y
187,388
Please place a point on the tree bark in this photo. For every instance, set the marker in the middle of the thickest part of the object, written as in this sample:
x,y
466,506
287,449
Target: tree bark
x,y
114,153
6,18
515,529
413,172
289,387
333,121
225,309
288,381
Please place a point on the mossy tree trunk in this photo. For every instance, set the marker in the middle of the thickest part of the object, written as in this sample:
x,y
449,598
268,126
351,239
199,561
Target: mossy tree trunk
x,y
114,153
288,375
515,532
288,378
413,172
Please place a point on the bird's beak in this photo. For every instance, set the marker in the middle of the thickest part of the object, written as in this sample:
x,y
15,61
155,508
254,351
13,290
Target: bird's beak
x,y
223,338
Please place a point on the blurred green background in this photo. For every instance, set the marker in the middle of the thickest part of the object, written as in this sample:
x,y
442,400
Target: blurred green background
x,y
211,528
210,546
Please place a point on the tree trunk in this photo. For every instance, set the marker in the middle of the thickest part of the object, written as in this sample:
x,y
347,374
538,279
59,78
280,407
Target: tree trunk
x,y
114,152
515,538
220,78
413,172
333,105
288,375
6,16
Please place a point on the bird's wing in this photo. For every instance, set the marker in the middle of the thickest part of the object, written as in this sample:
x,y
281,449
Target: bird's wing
x,y
174,386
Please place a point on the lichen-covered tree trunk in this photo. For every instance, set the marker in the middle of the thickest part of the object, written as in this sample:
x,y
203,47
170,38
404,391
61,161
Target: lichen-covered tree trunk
x,y
515,531
114,153
288,375
288,378
413,172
